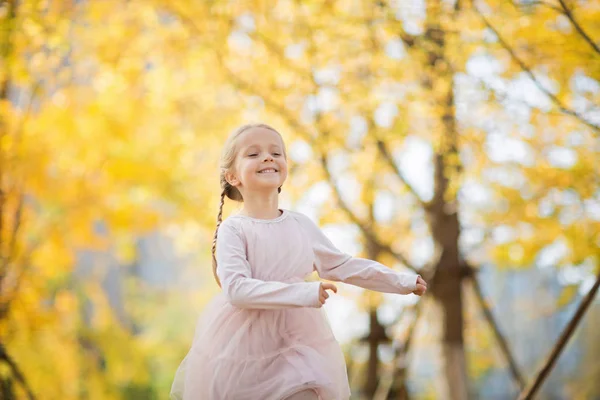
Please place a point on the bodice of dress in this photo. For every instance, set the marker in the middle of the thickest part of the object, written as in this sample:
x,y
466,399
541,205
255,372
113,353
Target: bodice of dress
x,y
277,250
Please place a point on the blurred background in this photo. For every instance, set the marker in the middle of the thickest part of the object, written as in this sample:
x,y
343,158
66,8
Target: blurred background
x,y
457,138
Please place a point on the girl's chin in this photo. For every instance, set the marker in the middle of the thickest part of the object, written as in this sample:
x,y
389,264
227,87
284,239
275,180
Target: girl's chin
x,y
265,183
267,188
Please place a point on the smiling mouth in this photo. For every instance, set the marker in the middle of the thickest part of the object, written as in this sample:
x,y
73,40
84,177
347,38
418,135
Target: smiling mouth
x,y
268,171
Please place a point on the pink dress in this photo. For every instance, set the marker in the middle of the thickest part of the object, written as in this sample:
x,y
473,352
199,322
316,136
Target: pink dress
x,y
264,337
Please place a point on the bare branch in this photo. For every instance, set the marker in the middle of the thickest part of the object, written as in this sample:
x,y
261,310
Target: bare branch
x,y
381,145
367,231
11,279
542,374
569,14
562,107
535,3
14,233
502,342
15,371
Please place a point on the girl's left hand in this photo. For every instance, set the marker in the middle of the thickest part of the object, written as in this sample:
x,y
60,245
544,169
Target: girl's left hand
x,y
421,286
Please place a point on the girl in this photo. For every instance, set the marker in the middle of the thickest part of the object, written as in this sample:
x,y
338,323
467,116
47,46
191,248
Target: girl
x,y
264,337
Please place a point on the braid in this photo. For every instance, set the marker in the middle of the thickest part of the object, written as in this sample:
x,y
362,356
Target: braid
x,y
214,243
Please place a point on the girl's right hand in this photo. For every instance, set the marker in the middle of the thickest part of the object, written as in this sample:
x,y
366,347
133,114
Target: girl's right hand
x,y
421,286
323,295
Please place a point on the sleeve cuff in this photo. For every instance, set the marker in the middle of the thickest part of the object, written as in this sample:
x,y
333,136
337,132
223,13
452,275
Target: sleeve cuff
x,y
314,288
414,283
410,282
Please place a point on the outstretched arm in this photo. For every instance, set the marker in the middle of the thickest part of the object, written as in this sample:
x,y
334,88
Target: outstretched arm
x,y
333,264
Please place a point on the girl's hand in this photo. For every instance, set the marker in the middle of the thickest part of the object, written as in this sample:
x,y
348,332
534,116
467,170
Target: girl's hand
x,y
421,286
323,295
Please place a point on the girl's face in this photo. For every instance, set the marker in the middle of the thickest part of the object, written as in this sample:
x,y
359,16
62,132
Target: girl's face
x,y
260,164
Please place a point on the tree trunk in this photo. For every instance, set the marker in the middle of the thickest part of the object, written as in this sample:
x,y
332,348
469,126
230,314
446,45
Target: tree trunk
x,y
375,337
442,212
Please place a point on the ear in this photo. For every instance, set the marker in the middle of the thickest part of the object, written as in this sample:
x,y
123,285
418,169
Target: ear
x,y
232,179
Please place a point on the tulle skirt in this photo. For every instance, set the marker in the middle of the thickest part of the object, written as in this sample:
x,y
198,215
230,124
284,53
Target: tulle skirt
x,y
249,354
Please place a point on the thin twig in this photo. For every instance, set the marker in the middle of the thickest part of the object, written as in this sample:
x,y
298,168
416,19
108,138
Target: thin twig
x,y
383,149
368,232
14,234
535,3
502,342
544,371
563,108
16,372
569,14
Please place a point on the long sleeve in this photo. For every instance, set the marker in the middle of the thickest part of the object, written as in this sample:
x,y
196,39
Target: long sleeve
x,y
334,265
233,270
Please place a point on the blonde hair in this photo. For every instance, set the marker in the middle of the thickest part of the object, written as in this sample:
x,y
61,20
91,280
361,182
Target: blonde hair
x,y
227,162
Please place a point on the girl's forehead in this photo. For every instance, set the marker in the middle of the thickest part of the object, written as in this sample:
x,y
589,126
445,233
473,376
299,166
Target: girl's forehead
x,y
260,137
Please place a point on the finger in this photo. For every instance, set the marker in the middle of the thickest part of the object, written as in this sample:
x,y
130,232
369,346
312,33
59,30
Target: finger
x,y
326,295
332,287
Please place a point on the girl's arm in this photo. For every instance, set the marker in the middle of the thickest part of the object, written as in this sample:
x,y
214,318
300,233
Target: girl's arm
x,y
243,291
334,265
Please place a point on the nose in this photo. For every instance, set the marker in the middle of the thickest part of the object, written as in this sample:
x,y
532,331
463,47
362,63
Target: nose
x,y
268,157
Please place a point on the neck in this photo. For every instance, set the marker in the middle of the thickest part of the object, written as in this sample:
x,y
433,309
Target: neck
x,y
261,205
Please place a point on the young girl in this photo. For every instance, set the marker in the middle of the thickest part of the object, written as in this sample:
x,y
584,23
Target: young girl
x,y
264,337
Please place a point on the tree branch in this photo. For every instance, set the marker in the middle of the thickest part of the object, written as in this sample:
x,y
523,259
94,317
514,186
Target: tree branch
x,y
13,239
14,369
381,145
542,374
502,342
383,149
563,108
569,14
367,231
535,3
